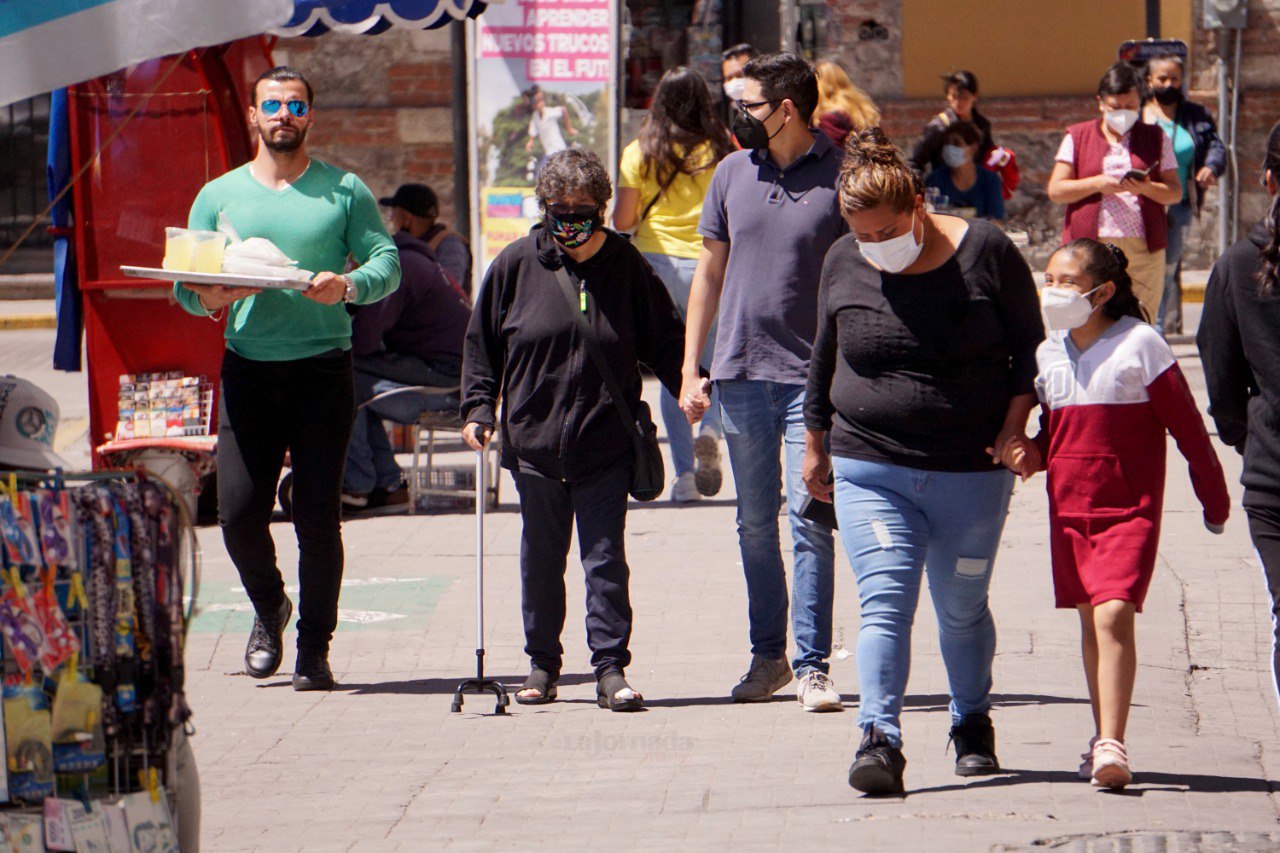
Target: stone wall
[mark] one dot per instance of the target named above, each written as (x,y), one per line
(383,106)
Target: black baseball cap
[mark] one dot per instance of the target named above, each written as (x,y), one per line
(418,199)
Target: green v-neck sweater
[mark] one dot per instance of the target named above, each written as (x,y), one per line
(324,216)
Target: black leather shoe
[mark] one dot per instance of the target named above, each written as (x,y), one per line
(975,740)
(266,643)
(878,766)
(312,671)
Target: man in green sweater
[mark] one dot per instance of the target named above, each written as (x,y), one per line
(286,373)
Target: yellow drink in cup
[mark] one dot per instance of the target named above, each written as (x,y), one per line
(209,249)
(179,249)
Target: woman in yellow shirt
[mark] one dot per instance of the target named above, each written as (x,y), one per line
(663,179)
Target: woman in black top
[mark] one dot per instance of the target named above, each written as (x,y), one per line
(961,90)
(563,439)
(1239,341)
(922,370)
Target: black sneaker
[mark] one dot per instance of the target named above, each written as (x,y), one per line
(975,740)
(312,671)
(266,643)
(878,766)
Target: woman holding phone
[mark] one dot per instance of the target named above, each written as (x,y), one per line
(1116,175)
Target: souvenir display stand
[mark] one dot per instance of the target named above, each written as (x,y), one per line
(99,572)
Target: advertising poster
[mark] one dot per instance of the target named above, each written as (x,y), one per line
(543,77)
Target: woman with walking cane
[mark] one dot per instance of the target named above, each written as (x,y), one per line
(564,314)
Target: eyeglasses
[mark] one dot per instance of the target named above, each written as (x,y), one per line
(566,210)
(298,108)
(744,106)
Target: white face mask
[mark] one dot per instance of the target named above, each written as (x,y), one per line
(1065,309)
(1121,121)
(954,155)
(896,253)
(733,88)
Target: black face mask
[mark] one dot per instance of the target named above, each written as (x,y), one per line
(1167,94)
(750,131)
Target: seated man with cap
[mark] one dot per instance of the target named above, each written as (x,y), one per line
(411,338)
(415,210)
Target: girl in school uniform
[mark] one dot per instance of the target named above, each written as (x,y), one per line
(1109,389)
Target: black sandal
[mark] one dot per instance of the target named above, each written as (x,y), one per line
(541,681)
(608,690)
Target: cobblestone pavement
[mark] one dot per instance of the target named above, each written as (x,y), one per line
(382,764)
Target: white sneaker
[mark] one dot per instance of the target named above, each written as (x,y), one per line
(684,490)
(817,692)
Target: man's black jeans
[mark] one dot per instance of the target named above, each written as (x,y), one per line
(548,509)
(267,407)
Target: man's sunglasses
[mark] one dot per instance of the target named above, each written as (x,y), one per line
(298,108)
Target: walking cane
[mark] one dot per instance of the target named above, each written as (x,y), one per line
(480,684)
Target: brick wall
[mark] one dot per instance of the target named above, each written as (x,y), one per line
(384,109)
(383,106)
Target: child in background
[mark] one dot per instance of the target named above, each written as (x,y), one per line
(1109,388)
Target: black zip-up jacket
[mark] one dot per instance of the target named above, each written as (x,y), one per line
(523,346)
(1210,151)
(928,148)
(1239,342)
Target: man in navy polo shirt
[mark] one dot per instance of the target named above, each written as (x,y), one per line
(769,217)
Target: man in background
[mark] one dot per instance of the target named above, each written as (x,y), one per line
(415,209)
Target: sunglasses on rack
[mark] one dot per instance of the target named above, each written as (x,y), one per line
(298,108)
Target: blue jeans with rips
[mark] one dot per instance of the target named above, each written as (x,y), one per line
(899,524)
(761,419)
(677,275)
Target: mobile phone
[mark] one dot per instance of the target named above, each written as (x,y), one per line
(1137,174)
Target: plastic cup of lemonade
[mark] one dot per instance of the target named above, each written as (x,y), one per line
(209,249)
(179,249)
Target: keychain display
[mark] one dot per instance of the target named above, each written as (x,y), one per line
(93,620)
(28,736)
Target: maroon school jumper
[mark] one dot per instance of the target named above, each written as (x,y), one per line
(1104,413)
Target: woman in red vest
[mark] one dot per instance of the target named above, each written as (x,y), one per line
(1116,175)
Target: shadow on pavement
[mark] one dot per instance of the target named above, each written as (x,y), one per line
(1144,781)
(434,686)
(941,701)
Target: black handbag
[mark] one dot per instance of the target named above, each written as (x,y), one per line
(648,475)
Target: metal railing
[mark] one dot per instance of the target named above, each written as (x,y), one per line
(24,141)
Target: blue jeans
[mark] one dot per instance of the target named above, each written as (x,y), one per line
(371,463)
(758,417)
(897,524)
(677,275)
(1178,218)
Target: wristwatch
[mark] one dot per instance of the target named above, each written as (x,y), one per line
(349,295)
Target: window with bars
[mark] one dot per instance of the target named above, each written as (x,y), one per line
(24,141)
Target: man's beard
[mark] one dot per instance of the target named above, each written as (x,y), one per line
(286,143)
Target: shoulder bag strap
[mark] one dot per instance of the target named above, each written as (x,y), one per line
(666,185)
(593,346)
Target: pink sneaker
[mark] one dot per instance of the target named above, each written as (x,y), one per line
(1110,765)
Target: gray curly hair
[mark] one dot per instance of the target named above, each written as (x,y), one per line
(571,171)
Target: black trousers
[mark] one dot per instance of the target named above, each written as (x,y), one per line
(267,407)
(548,509)
(1264,527)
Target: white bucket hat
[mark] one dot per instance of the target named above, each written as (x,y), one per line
(28,422)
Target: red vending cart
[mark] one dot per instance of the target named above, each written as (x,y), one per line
(188,130)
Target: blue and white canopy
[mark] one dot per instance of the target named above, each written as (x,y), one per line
(369,17)
(48,44)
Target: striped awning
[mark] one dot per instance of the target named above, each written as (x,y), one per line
(369,17)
